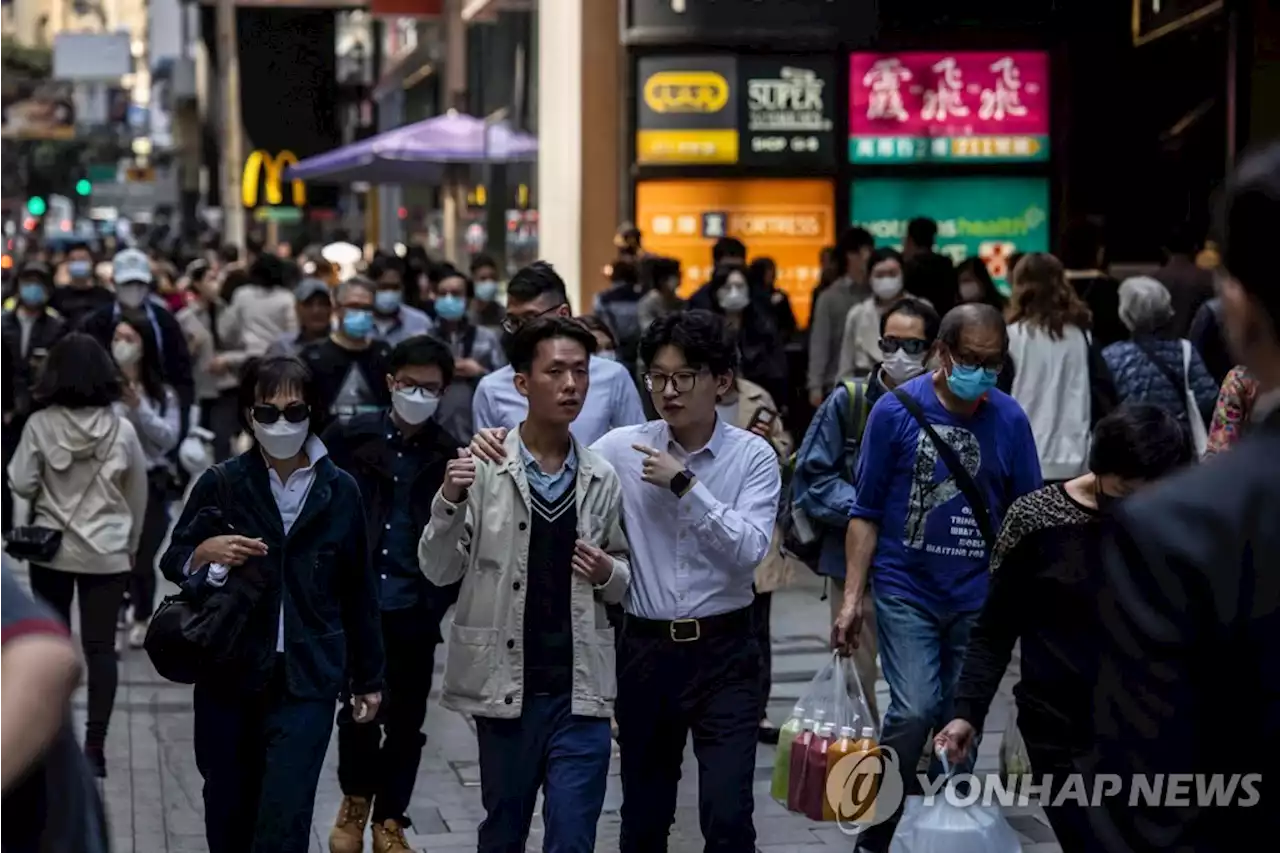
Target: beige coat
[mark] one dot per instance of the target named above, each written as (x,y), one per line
(487,548)
(256,318)
(86,475)
(776,571)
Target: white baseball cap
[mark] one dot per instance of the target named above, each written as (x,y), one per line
(131,265)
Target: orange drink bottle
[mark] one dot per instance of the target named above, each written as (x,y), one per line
(845,745)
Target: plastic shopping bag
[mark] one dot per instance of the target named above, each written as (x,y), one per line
(941,827)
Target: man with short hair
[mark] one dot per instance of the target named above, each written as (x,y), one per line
(537,542)
(485,311)
(927,274)
(84,294)
(611,400)
(313,303)
(1189,286)
(350,365)
(398,460)
(942,457)
(826,326)
(393,320)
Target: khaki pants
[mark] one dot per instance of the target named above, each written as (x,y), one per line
(864,657)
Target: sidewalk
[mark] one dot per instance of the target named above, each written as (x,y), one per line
(154,801)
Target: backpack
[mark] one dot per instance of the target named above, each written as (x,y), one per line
(801,537)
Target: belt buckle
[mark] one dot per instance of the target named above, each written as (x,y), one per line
(697,631)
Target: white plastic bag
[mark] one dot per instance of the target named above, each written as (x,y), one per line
(941,827)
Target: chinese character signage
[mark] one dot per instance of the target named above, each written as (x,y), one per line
(917,106)
(722,110)
(788,111)
(789,220)
(990,218)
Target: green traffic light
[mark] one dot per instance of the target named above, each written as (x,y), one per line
(36,206)
(83,187)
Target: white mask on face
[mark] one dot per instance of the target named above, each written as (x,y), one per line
(281,440)
(131,295)
(414,406)
(733,298)
(886,288)
(126,353)
(900,367)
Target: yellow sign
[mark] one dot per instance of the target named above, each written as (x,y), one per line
(261,161)
(686,92)
(687,146)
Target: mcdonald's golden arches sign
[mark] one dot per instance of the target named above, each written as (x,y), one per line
(268,169)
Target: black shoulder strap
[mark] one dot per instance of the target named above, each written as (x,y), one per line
(964,480)
(1179,383)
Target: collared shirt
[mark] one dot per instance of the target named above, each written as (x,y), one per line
(290,497)
(612,401)
(397,559)
(406,324)
(695,556)
(549,486)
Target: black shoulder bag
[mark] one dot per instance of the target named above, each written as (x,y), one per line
(964,480)
(195,630)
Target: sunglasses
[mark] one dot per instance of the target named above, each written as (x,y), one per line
(294,413)
(911,346)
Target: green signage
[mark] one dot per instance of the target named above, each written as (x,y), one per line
(287,215)
(989,218)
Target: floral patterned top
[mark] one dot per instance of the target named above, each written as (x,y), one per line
(1235,403)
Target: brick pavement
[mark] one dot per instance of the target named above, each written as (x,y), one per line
(153,792)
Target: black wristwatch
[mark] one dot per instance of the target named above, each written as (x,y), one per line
(681,482)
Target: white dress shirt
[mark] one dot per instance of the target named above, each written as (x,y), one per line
(695,556)
(290,497)
(612,401)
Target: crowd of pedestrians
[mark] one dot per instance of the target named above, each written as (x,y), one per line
(606,504)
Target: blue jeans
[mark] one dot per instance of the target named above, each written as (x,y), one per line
(921,654)
(546,747)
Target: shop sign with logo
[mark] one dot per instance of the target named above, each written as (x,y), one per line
(989,218)
(721,110)
(266,170)
(958,106)
(789,220)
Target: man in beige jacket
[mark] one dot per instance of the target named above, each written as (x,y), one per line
(538,545)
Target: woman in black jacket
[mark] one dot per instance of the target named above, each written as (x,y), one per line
(761,346)
(281,527)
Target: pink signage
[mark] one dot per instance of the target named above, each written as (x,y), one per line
(916,105)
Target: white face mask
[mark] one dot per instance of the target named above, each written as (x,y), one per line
(281,440)
(900,367)
(126,353)
(132,295)
(414,406)
(886,288)
(733,298)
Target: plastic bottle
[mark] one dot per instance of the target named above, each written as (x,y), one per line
(866,743)
(846,744)
(782,758)
(814,792)
(795,760)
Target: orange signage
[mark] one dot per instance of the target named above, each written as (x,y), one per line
(789,220)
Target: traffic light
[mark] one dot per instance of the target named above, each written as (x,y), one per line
(83,187)
(36,206)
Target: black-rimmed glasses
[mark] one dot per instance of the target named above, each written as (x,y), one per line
(294,413)
(511,325)
(683,381)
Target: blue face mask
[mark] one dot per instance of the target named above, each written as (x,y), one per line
(79,269)
(450,307)
(969,382)
(387,301)
(357,324)
(32,294)
(486,289)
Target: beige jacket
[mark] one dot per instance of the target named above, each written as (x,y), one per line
(487,548)
(776,571)
(86,475)
(256,318)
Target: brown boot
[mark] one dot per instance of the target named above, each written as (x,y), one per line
(347,835)
(388,837)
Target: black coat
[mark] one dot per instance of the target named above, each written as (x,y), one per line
(1190,616)
(18,372)
(332,627)
(359,447)
(175,356)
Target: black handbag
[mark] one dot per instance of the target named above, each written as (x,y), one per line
(37,544)
(198,629)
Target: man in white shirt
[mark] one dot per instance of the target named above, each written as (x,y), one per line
(612,400)
(699,501)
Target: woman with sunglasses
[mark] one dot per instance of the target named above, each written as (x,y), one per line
(283,518)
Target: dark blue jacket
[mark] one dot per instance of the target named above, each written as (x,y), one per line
(1140,380)
(332,629)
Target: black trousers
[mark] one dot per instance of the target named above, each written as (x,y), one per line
(9,439)
(155,524)
(1070,819)
(761,607)
(99,603)
(379,760)
(219,415)
(666,690)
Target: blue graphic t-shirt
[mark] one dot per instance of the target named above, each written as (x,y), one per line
(930,549)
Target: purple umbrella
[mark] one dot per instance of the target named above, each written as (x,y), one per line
(418,152)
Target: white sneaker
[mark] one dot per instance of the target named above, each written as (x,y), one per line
(138,635)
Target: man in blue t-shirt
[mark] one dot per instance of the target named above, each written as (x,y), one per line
(920,538)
